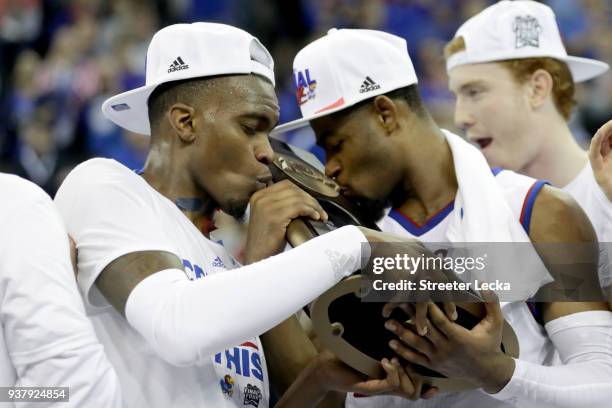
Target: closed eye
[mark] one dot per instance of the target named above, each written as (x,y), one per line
(336,147)
(248,130)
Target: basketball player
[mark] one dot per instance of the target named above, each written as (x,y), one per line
(514,84)
(178,316)
(45,338)
(357,89)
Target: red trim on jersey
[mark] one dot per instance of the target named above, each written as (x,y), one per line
(525,202)
(428,219)
(249,344)
(529,202)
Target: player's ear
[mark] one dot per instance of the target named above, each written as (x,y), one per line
(386,111)
(181,118)
(539,88)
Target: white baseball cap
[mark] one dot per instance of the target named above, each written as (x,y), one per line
(514,30)
(345,67)
(183,51)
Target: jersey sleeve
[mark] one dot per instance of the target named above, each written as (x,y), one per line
(109,212)
(521,192)
(49,339)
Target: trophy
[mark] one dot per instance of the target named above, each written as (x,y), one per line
(346,325)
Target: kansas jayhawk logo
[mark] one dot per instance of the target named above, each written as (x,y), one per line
(227,385)
(527,31)
(305,86)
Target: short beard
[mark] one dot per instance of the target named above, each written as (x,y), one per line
(374,209)
(236,208)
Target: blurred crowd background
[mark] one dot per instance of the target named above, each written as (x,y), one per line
(59,60)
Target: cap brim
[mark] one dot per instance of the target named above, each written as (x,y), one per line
(583,69)
(300,123)
(129,109)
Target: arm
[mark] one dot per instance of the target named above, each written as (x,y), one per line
(584,379)
(326,373)
(50,340)
(288,352)
(162,303)
(579,330)
(560,230)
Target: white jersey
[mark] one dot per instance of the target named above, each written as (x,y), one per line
(588,194)
(111,211)
(535,346)
(46,339)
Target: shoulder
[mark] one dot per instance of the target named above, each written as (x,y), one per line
(508,179)
(589,194)
(520,192)
(557,217)
(19,194)
(97,171)
(15,188)
(99,180)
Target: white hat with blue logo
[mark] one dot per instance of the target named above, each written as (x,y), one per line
(514,30)
(345,67)
(184,51)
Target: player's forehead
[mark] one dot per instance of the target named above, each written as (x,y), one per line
(475,74)
(250,94)
(343,123)
(251,88)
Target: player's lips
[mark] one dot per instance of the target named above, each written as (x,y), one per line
(264,180)
(347,192)
(483,142)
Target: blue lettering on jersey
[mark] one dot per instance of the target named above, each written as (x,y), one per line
(196,269)
(218,263)
(243,361)
(233,359)
(257,372)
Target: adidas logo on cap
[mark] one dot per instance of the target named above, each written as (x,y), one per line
(368,85)
(177,65)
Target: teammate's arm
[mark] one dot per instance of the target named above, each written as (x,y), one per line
(288,351)
(50,340)
(121,276)
(560,228)
(176,315)
(326,373)
(580,331)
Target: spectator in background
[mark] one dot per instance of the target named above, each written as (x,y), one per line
(37,158)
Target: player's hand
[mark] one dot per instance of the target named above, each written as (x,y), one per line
(272,209)
(600,155)
(457,352)
(334,375)
(418,313)
(387,245)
